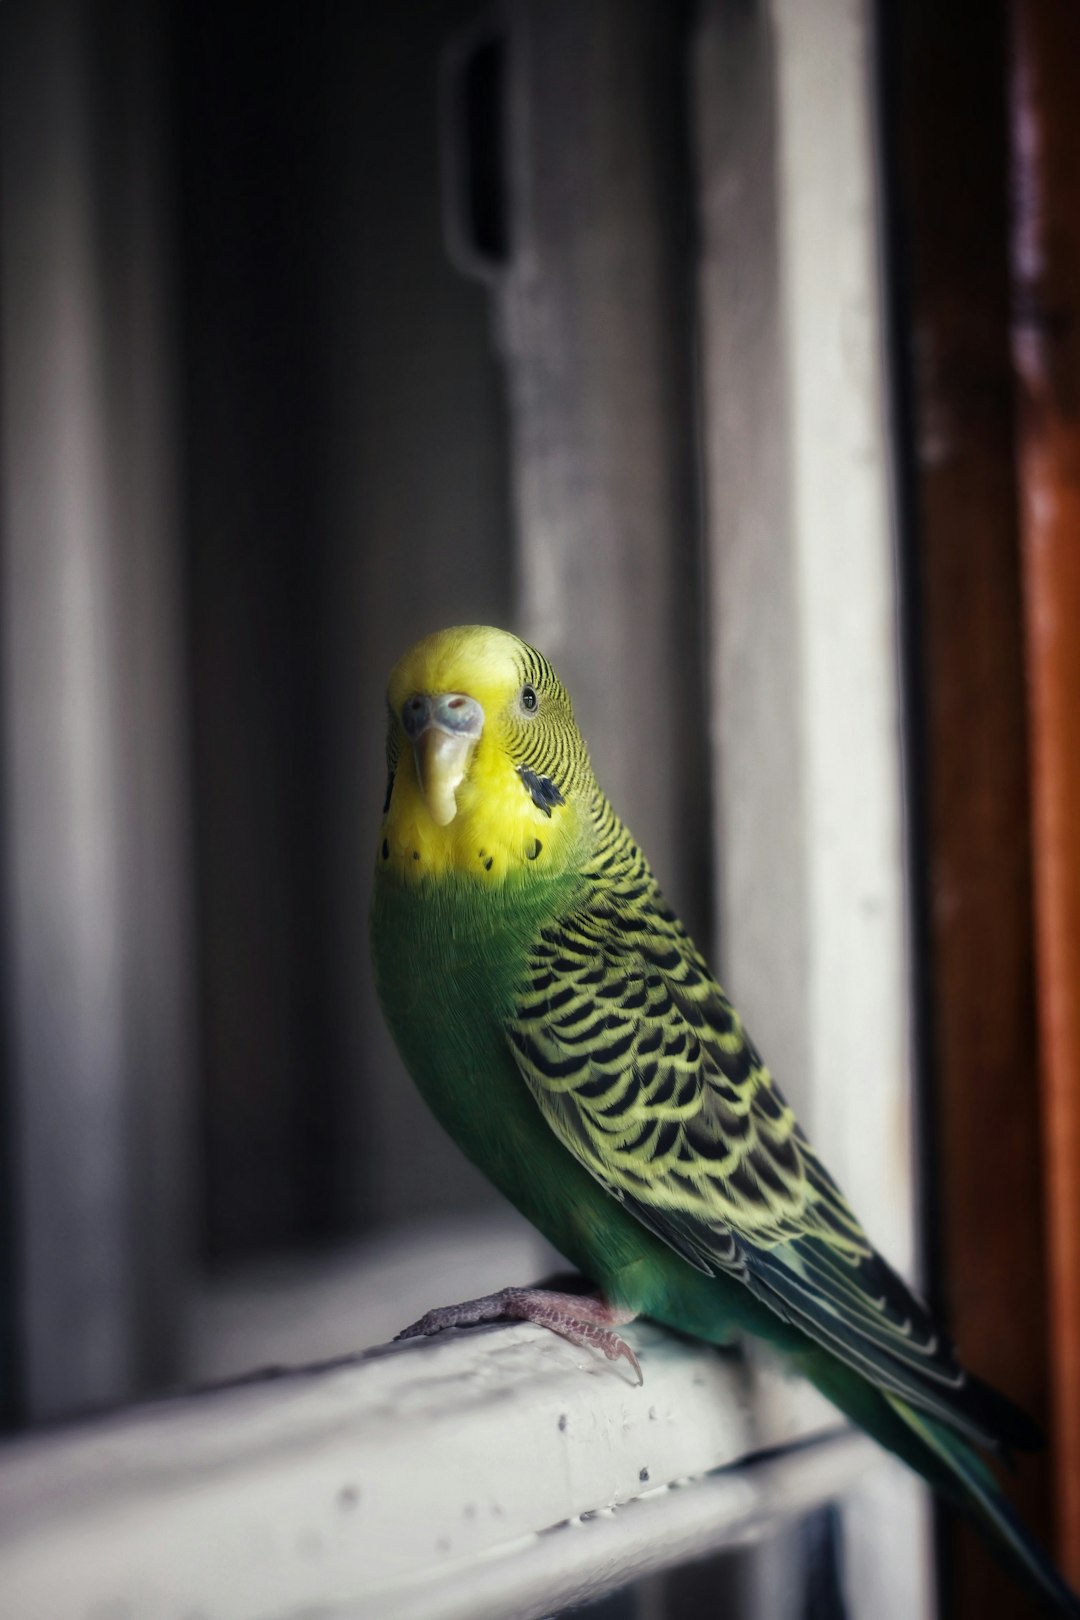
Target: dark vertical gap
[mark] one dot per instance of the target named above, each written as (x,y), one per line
(822,1536)
(897,305)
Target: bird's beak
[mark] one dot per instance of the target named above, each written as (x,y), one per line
(443,731)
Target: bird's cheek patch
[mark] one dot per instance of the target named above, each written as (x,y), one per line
(541,790)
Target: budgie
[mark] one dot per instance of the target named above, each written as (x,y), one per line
(570,1037)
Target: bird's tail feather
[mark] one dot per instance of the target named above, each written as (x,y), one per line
(976,1487)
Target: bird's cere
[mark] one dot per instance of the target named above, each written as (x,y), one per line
(443,731)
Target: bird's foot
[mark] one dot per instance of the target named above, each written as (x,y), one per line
(584,1319)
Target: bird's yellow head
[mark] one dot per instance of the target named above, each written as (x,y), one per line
(486,767)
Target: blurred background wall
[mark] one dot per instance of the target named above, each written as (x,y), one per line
(728,350)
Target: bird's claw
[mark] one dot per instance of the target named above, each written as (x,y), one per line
(583,1320)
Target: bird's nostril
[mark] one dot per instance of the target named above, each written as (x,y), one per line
(453,712)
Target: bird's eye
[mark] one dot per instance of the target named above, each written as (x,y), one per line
(529,699)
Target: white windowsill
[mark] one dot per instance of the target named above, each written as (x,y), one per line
(486,1473)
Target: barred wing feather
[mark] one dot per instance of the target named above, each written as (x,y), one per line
(642,1068)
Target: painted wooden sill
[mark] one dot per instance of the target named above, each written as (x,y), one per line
(491,1473)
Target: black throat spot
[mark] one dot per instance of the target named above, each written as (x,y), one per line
(541,790)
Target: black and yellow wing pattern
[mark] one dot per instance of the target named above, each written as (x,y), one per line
(642,1068)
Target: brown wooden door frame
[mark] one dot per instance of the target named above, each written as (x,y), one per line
(1044,123)
(947,142)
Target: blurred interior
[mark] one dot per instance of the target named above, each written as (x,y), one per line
(323,327)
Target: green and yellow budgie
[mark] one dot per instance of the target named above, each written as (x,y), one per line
(568,1034)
